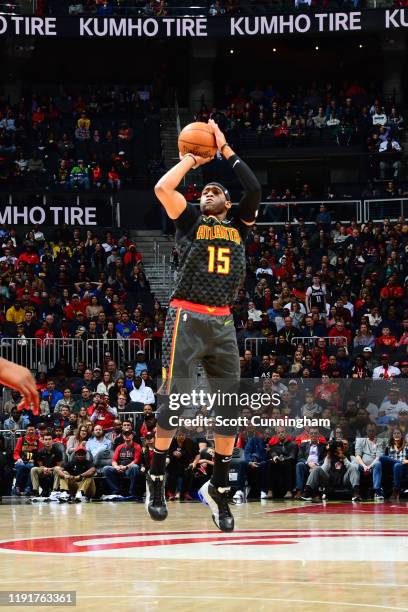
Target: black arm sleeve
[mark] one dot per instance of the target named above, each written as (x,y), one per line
(249,203)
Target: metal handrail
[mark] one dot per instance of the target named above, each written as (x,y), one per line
(368,203)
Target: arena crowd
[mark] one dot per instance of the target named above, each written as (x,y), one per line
(101,138)
(322,318)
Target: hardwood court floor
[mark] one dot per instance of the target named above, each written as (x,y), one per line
(287,556)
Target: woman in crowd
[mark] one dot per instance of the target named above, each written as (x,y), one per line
(114,391)
(78,439)
(106,384)
(297,365)
(359,368)
(396,456)
(363,338)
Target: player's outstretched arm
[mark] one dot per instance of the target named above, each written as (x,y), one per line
(166,189)
(19,378)
(249,203)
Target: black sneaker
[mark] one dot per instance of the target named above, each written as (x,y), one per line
(155,501)
(217,500)
(356,495)
(308,494)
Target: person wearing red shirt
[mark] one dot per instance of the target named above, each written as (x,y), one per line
(29,256)
(73,307)
(104,416)
(132,256)
(125,462)
(44,335)
(386,340)
(327,391)
(340,330)
(113,178)
(38,117)
(391,291)
(24,456)
(282,131)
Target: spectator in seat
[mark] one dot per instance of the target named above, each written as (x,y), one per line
(141,393)
(390,153)
(127,426)
(125,462)
(84,402)
(35,165)
(80,438)
(15,314)
(113,178)
(104,415)
(385,371)
(25,455)
(6,468)
(257,464)
(368,451)
(396,455)
(15,421)
(316,296)
(76,477)
(115,432)
(336,471)
(363,338)
(125,327)
(359,368)
(106,384)
(66,400)
(99,447)
(182,452)
(79,176)
(310,409)
(310,456)
(386,340)
(283,454)
(140,364)
(49,457)
(132,257)
(392,405)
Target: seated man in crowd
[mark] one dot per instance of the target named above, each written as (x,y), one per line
(25,455)
(311,455)
(6,467)
(99,447)
(49,457)
(125,462)
(182,452)
(336,471)
(127,427)
(255,454)
(283,454)
(76,477)
(368,451)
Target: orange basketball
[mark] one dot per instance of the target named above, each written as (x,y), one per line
(198,139)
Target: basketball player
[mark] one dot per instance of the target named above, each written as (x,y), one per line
(19,378)
(199,325)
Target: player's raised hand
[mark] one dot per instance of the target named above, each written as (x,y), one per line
(20,378)
(219,136)
(200,161)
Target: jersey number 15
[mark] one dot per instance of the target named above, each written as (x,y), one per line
(219,259)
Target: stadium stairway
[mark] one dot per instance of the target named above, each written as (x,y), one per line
(169,135)
(156,252)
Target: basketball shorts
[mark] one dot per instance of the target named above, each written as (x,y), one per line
(197,333)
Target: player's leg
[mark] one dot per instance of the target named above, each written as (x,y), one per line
(222,368)
(182,342)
